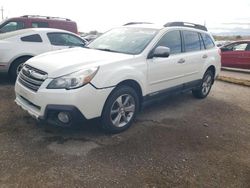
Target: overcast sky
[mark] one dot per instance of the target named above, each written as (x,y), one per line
(101,15)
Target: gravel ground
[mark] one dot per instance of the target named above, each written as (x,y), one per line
(178,142)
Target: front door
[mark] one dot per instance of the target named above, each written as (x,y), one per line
(165,72)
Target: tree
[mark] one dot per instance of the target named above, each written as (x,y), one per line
(238,37)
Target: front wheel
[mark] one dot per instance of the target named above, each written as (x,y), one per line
(16,67)
(203,90)
(120,109)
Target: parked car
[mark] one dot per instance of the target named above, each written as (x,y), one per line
(18,46)
(220,43)
(236,55)
(90,38)
(117,73)
(35,21)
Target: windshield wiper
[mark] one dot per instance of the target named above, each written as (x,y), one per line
(107,50)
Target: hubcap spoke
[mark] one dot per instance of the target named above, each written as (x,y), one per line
(119,101)
(117,120)
(126,100)
(130,108)
(208,79)
(125,118)
(114,111)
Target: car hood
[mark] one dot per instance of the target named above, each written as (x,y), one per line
(63,62)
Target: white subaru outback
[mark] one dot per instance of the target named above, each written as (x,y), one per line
(118,72)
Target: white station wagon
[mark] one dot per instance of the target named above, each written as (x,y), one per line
(18,46)
(118,72)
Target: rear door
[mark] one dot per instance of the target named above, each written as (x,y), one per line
(65,40)
(195,55)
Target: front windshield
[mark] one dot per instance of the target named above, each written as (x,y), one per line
(124,40)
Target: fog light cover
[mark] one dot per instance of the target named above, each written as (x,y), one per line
(64,117)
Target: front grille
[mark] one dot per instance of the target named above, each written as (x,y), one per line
(31,77)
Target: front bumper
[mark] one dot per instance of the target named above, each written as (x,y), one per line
(87,100)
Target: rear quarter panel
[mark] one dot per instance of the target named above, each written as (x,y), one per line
(214,59)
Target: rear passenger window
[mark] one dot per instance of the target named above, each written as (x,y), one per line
(40,24)
(171,40)
(32,38)
(191,41)
(207,41)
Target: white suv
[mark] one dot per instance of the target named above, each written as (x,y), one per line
(117,73)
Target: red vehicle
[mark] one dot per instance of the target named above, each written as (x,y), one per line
(236,55)
(33,21)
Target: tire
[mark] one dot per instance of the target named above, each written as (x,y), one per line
(203,90)
(120,109)
(16,67)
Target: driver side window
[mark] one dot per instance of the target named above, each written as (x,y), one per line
(240,47)
(12,26)
(171,40)
(237,47)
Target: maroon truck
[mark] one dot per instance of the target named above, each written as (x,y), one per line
(34,21)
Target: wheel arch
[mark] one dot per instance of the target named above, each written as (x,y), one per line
(18,58)
(131,83)
(212,69)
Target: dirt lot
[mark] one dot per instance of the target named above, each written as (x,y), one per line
(178,142)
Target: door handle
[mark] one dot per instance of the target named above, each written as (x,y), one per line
(204,56)
(181,61)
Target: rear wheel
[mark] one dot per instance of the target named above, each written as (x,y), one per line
(16,66)
(120,109)
(203,90)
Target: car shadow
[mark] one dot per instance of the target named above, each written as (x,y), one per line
(93,127)
(5,79)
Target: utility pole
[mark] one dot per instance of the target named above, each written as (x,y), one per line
(2,11)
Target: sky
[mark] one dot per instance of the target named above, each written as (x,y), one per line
(220,16)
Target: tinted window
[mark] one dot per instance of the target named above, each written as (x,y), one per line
(64,39)
(191,41)
(12,26)
(207,41)
(171,40)
(32,38)
(40,24)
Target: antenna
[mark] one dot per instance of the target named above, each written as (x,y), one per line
(2,11)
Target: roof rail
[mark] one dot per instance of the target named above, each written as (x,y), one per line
(186,24)
(133,23)
(45,17)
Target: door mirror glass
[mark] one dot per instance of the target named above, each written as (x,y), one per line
(161,51)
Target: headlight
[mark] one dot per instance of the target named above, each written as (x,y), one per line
(73,80)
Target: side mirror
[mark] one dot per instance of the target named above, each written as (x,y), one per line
(161,51)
